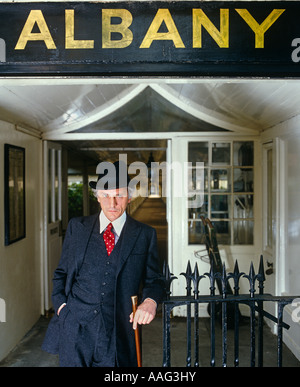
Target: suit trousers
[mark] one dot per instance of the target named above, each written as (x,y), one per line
(78,347)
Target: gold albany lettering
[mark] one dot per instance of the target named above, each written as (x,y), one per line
(163,16)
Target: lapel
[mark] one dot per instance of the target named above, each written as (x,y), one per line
(85,228)
(130,233)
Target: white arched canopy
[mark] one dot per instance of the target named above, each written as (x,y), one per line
(67,106)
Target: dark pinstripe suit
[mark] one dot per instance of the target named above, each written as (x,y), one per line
(136,267)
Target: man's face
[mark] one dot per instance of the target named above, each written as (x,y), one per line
(113,202)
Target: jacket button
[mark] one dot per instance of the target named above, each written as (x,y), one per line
(95,311)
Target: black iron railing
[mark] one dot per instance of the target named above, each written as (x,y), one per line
(226,305)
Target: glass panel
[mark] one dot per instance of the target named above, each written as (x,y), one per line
(196,232)
(221,153)
(220,206)
(75,196)
(202,210)
(243,206)
(243,180)
(196,182)
(243,153)
(220,180)
(223,232)
(243,232)
(56,185)
(198,151)
(228,187)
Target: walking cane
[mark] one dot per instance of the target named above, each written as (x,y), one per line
(134,300)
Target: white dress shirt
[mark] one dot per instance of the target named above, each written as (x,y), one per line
(118,224)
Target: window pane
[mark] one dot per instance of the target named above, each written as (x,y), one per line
(75,196)
(220,153)
(220,180)
(243,153)
(198,151)
(223,232)
(220,206)
(199,180)
(243,180)
(243,232)
(243,206)
(228,188)
(196,213)
(56,186)
(196,232)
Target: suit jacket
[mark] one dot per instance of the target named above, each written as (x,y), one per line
(137,269)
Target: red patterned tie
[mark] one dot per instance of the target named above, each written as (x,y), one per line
(109,239)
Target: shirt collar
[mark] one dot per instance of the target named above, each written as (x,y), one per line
(117,224)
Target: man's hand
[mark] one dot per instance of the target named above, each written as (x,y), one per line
(145,313)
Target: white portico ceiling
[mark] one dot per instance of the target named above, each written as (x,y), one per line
(249,107)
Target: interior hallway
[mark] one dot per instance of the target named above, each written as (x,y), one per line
(29,354)
(153,213)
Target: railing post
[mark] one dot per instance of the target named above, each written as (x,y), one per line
(166,336)
(167,278)
(252,277)
(224,317)
(212,305)
(196,280)
(280,306)
(236,275)
(188,278)
(261,279)
(252,333)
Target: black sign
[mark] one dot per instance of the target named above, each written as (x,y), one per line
(151,38)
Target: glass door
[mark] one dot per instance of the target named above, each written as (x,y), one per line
(213,177)
(228,191)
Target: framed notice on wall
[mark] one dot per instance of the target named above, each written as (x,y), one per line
(14,193)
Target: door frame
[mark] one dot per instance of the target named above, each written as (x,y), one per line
(51,227)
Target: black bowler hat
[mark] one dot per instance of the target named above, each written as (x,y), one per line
(111,176)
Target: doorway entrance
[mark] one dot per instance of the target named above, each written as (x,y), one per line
(148,204)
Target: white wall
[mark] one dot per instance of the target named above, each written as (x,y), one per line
(292,337)
(288,215)
(293,212)
(20,262)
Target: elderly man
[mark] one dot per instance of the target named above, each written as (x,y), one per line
(106,259)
